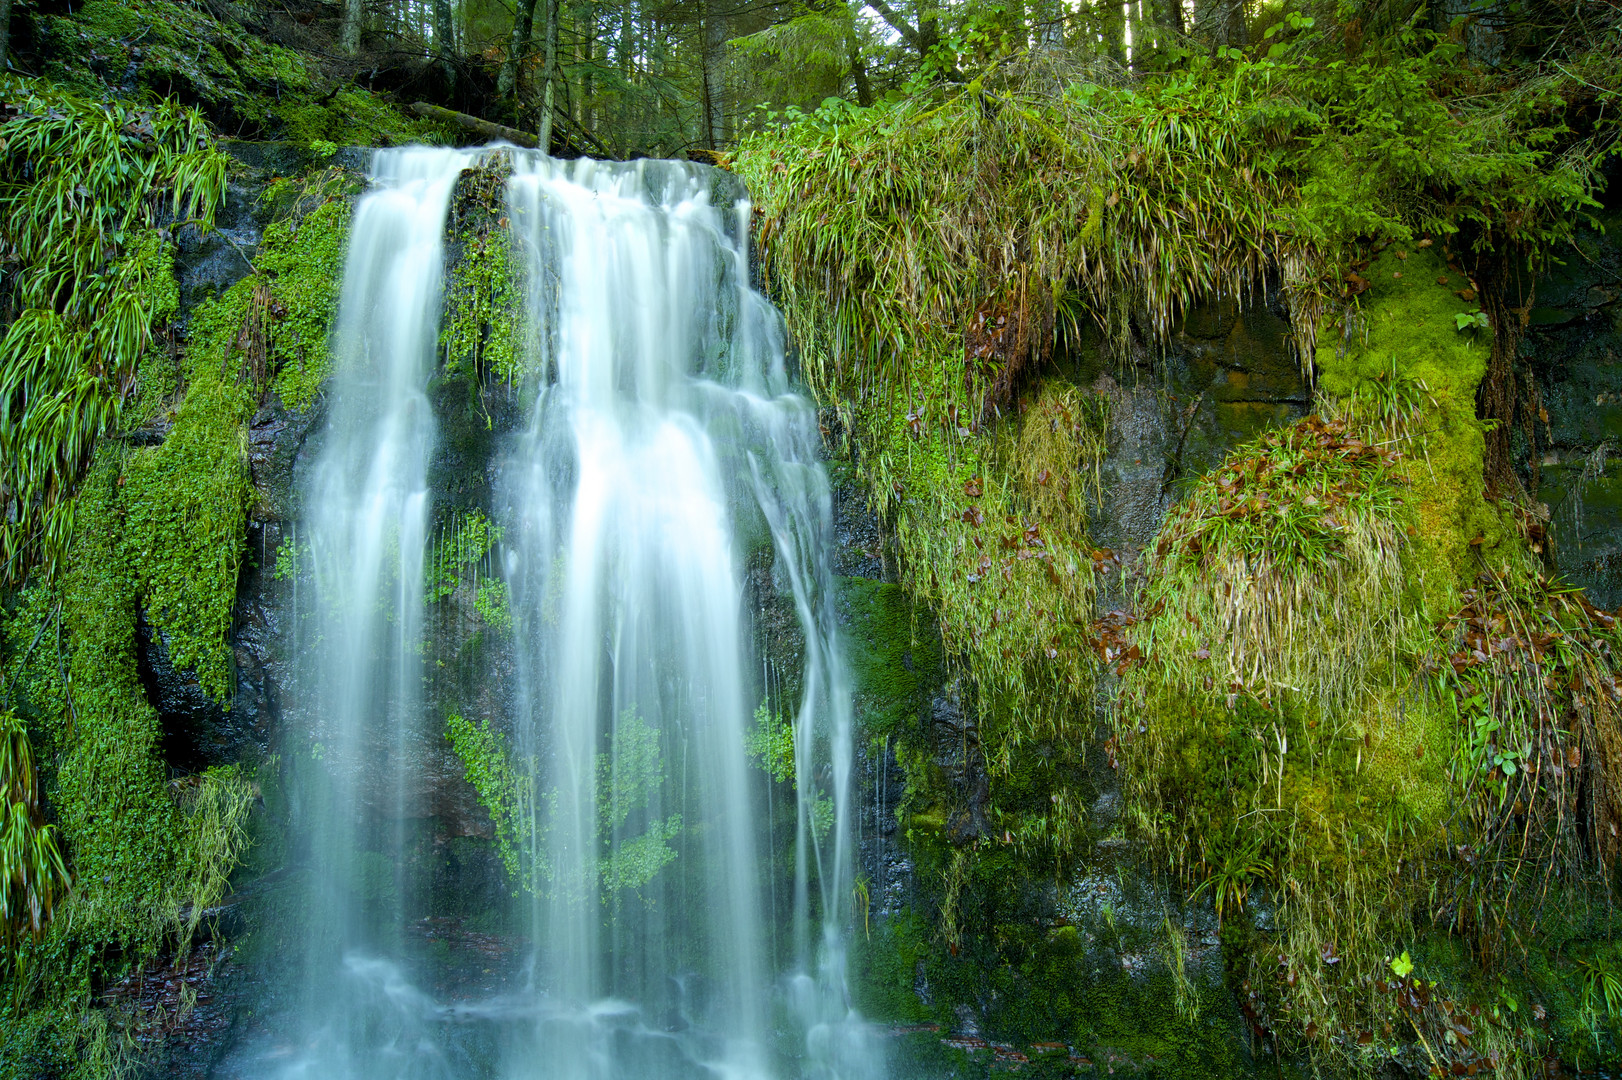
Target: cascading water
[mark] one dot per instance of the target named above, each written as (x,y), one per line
(368,514)
(663,428)
(664,444)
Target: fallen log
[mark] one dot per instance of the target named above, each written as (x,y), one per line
(472,123)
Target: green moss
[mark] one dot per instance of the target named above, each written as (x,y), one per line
(183,50)
(186,504)
(894,652)
(304,255)
(1402,348)
(110,790)
(1333,694)
(1033,981)
(884,968)
(186,500)
(483,322)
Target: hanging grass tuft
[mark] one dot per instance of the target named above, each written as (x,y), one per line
(33,878)
(89,194)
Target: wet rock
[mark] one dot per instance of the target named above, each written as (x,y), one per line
(197,730)
(256,640)
(1573,348)
(1229,374)
(863,547)
(210,263)
(276,435)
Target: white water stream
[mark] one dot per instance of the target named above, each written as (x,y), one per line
(664,445)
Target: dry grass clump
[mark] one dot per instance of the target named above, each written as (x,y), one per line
(1281,569)
(1296,728)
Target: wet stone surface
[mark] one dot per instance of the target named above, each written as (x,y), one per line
(1573,346)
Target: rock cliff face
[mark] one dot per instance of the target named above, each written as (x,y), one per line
(1573,347)
(1096,963)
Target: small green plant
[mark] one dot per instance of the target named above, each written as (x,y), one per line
(1187,994)
(33,876)
(460,547)
(289,557)
(1602,993)
(504,791)
(629,779)
(1471,321)
(494,605)
(1230,883)
(770,744)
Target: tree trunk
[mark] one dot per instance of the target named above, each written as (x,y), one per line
(1047,18)
(549,74)
(627,38)
(1220,22)
(1112,24)
(714,85)
(349,30)
(1169,13)
(586,24)
(517,49)
(858,69)
(929,27)
(482,128)
(445,42)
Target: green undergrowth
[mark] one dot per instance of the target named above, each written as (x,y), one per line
(992,532)
(1347,691)
(1285,722)
(934,252)
(85,187)
(186,500)
(149,852)
(157,534)
(249,85)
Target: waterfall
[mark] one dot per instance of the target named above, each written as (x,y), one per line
(665,448)
(367,504)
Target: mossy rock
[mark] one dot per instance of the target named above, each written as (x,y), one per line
(1404,335)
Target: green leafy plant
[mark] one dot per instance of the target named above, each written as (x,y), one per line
(1230,883)
(504,791)
(33,877)
(84,189)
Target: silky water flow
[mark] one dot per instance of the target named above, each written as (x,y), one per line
(664,445)
(367,506)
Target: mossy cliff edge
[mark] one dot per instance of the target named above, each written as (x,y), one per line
(148,564)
